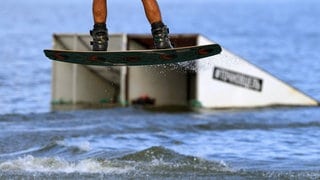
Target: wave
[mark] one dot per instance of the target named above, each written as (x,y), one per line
(157,160)
(58,165)
(154,163)
(253,126)
(31,167)
(56,147)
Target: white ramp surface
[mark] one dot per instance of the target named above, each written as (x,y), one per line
(228,81)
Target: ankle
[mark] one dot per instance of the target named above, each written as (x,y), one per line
(157,25)
(100,26)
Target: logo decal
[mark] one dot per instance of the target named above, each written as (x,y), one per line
(238,79)
(204,51)
(132,59)
(60,57)
(167,57)
(96,58)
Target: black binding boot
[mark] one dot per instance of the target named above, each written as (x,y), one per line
(99,37)
(160,36)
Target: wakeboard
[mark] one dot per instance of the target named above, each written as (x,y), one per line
(134,57)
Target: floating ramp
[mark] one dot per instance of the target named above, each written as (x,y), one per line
(221,81)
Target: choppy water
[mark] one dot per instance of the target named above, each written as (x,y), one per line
(134,143)
(280,36)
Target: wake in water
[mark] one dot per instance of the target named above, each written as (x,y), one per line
(155,160)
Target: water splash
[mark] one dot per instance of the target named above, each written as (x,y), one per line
(58,165)
(155,159)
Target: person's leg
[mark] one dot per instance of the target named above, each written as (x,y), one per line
(159,30)
(99,32)
(152,11)
(99,10)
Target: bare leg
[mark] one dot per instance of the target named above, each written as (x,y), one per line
(152,11)
(99,10)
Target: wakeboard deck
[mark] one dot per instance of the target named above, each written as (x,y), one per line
(134,57)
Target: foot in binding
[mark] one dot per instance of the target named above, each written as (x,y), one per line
(160,37)
(99,39)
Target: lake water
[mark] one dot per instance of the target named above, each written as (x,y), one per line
(281,37)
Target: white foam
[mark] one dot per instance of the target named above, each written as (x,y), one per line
(58,165)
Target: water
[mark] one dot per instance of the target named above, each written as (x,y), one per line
(129,142)
(35,143)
